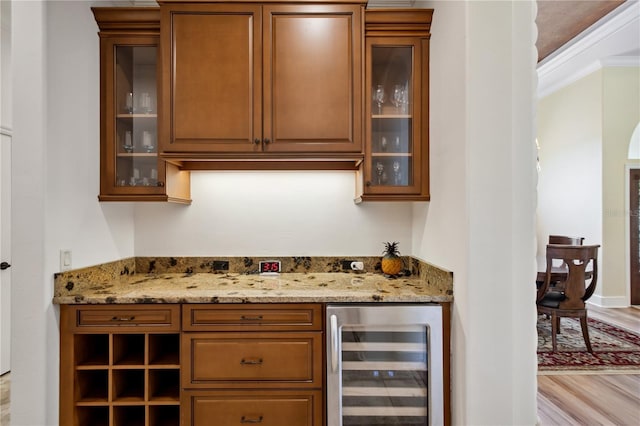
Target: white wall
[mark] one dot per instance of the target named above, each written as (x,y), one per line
(570,178)
(480,219)
(621,113)
(480,222)
(55,187)
(271,213)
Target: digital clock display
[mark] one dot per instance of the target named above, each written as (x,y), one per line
(269,266)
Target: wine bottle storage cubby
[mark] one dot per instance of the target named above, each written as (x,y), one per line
(94,416)
(129,415)
(128,349)
(126,378)
(164,385)
(163,349)
(164,415)
(92,386)
(91,349)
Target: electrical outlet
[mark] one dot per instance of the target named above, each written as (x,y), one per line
(220,265)
(65,260)
(352,265)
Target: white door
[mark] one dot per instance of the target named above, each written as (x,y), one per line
(5,252)
(5,186)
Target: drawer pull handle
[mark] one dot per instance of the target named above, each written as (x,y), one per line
(251,361)
(123,319)
(251,318)
(251,420)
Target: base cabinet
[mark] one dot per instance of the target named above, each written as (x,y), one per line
(199,364)
(120,366)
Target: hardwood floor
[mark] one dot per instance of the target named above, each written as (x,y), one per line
(5,383)
(593,399)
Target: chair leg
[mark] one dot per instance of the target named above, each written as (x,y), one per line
(554,329)
(585,333)
(558,325)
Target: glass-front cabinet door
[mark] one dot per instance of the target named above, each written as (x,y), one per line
(396,162)
(135,110)
(130,168)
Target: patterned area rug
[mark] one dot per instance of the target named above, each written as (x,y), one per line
(614,349)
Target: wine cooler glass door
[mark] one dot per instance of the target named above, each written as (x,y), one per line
(385,365)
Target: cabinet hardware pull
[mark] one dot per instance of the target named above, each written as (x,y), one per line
(251,361)
(368,183)
(4,265)
(335,355)
(256,141)
(250,318)
(267,140)
(123,319)
(250,420)
(160,184)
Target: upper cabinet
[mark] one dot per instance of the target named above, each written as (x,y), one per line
(130,169)
(396,163)
(261,81)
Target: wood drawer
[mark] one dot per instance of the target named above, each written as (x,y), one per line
(263,360)
(272,408)
(261,317)
(138,317)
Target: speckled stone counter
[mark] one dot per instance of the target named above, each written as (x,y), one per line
(195,280)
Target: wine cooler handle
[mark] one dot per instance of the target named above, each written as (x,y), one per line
(334,344)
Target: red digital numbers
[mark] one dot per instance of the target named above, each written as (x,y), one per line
(271,266)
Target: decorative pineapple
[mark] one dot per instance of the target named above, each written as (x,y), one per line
(391,261)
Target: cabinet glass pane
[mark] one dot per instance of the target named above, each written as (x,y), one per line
(391,118)
(136,116)
(384,375)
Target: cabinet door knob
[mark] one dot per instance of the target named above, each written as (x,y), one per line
(245,419)
(267,140)
(256,141)
(4,265)
(160,184)
(368,183)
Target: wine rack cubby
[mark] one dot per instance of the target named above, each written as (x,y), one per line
(123,374)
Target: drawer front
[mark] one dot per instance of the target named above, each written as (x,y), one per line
(140,318)
(274,408)
(252,360)
(262,317)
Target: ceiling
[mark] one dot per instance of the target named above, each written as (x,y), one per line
(561,20)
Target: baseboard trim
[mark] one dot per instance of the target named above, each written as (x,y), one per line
(609,302)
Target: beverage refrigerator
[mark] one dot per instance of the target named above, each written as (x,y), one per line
(384,365)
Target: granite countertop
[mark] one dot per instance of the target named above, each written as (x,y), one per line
(193,280)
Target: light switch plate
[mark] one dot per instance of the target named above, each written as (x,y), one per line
(65,260)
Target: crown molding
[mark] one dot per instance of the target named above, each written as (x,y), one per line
(608,42)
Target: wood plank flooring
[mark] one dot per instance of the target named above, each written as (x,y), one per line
(5,384)
(593,399)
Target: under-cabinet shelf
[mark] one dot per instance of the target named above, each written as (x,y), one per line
(391,154)
(389,116)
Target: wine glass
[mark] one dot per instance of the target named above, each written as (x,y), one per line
(405,100)
(398,93)
(129,102)
(379,97)
(397,177)
(379,171)
(383,144)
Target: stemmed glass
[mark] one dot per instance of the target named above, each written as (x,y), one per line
(398,94)
(380,172)
(397,177)
(379,97)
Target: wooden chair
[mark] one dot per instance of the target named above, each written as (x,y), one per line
(568,299)
(564,240)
